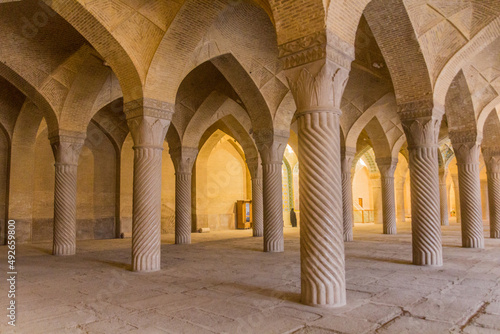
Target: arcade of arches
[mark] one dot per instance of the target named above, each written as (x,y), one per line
(146,121)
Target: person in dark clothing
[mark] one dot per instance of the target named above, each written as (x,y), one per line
(293,218)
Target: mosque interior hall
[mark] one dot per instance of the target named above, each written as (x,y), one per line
(250,166)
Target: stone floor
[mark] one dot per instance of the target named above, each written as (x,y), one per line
(223,283)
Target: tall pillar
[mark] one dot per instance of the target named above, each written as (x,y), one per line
(347,157)
(443,196)
(493,174)
(271,148)
(255,168)
(458,215)
(317,89)
(66,149)
(183,159)
(421,123)
(485,200)
(376,185)
(148,121)
(387,167)
(400,200)
(467,153)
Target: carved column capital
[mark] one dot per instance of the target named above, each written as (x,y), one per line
(492,160)
(67,147)
(183,159)
(318,87)
(271,146)
(254,167)
(148,121)
(347,155)
(421,122)
(387,166)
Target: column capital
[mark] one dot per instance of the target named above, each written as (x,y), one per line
(271,145)
(387,166)
(466,145)
(492,163)
(183,159)
(67,147)
(254,167)
(318,87)
(421,122)
(347,155)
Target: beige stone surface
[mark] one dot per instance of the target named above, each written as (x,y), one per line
(223,283)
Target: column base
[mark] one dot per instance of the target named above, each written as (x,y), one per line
(435,260)
(258,234)
(348,237)
(472,243)
(146,267)
(495,234)
(63,251)
(277,247)
(183,240)
(390,230)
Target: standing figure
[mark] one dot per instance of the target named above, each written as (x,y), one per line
(293,218)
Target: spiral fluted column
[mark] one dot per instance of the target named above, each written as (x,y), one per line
(458,215)
(346,165)
(443,196)
(148,121)
(400,203)
(182,208)
(317,97)
(421,125)
(467,153)
(493,174)
(387,168)
(183,159)
(257,207)
(273,207)
(66,152)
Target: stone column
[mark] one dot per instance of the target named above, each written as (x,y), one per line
(458,215)
(387,167)
(376,182)
(317,90)
(421,123)
(271,148)
(493,174)
(347,157)
(467,152)
(66,149)
(485,200)
(443,196)
(400,200)
(255,168)
(148,121)
(183,159)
